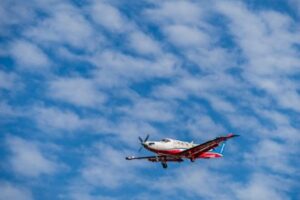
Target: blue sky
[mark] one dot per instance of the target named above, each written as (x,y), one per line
(81,80)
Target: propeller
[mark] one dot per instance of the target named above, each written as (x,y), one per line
(143,141)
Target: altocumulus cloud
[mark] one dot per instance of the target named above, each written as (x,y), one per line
(29,56)
(9,191)
(27,159)
(78,91)
(80,81)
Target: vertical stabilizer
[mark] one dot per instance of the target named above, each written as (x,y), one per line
(220,148)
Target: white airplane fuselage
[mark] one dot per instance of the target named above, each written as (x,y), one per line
(172,147)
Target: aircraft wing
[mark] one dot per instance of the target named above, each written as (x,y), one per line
(138,158)
(158,158)
(204,147)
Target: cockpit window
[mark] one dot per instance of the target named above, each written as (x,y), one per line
(165,140)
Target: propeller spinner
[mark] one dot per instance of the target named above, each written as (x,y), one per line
(143,141)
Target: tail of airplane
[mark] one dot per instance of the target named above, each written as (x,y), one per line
(220,148)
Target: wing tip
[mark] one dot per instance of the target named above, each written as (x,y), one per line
(129,157)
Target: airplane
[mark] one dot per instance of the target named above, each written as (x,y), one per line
(170,150)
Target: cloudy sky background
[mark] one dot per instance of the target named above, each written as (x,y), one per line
(81,80)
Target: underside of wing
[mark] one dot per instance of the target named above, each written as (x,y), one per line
(194,152)
(158,158)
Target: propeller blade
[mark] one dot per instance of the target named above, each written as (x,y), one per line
(140,139)
(140,149)
(146,138)
(143,142)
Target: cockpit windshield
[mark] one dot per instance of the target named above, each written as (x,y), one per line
(165,140)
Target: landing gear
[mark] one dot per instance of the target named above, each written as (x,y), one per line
(164,165)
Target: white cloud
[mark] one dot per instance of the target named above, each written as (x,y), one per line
(169,91)
(203,127)
(186,85)
(77,91)
(65,25)
(143,43)
(194,183)
(152,110)
(211,59)
(267,41)
(295,5)
(53,120)
(244,122)
(128,130)
(104,168)
(13,192)
(58,122)
(290,100)
(8,81)
(185,25)
(116,69)
(280,88)
(14,13)
(202,86)
(79,194)
(220,104)
(109,17)
(29,56)
(176,12)
(186,36)
(208,184)
(264,187)
(7,110)
(272,156)
(125,129)
(263,36)
(27,159)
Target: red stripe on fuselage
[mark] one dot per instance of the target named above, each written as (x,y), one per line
(210,155)
(169,152)
(166,152)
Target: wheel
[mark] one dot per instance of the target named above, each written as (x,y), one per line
(164,165)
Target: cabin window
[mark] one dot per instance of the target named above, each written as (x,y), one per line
(165,140)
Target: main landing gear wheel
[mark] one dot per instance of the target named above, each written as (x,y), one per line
(164,165)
